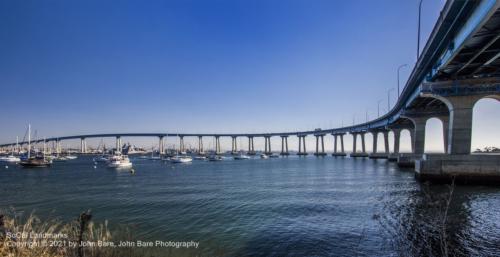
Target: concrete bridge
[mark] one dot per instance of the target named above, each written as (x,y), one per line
(458,66)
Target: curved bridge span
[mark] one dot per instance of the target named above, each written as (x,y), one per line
(459,65)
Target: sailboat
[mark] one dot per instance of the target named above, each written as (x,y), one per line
(34,161)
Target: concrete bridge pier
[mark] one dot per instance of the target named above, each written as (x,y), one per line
(397,138)
(267,145)
(83,146)
(458,162)
(335,144)
(355,153)
(161,145)
(58,147)
(217,145)
(302,145)
(200,145)
(118,145)
(318,152)
(181,145)
(375,154)
(417,135)
(234,145)
(251,149)
(284,145)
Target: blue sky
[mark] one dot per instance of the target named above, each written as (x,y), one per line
(71,67)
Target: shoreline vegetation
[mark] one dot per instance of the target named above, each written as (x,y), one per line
(30,236)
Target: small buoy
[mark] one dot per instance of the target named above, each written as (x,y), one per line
(6,166)
(95,167)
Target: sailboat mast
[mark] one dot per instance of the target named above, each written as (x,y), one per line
(44,148)
(17,144)
(29,141)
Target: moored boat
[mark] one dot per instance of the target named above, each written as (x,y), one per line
(10,158)
(119,161)
(215,158)
(241,156)
(36,161)
(181,159)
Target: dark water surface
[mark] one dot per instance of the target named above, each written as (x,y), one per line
(286,206)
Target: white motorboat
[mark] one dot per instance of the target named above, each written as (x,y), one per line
(119,161)
(200,158)
(241,156)
(10,158)
(71,157)
(181,159)
(264,156)
(274,155)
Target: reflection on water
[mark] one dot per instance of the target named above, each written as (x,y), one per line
(286,206)
(439,220)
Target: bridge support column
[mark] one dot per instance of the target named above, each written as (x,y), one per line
(161,147)
(320,137)
(181,145)
(118,145)
(58,147)
(302,145)
(419,135)
(284,145)
(335,144)
(446,126)
(217,145)
(397,138)
(460,123)
(375,141)
(251,149)
(378,155)
(267,142)
(83,146)
(386,142)
(200,145)
(234,145)
(363,145)
(354,143)
(355,153)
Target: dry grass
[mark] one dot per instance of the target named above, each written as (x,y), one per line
(14,223)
